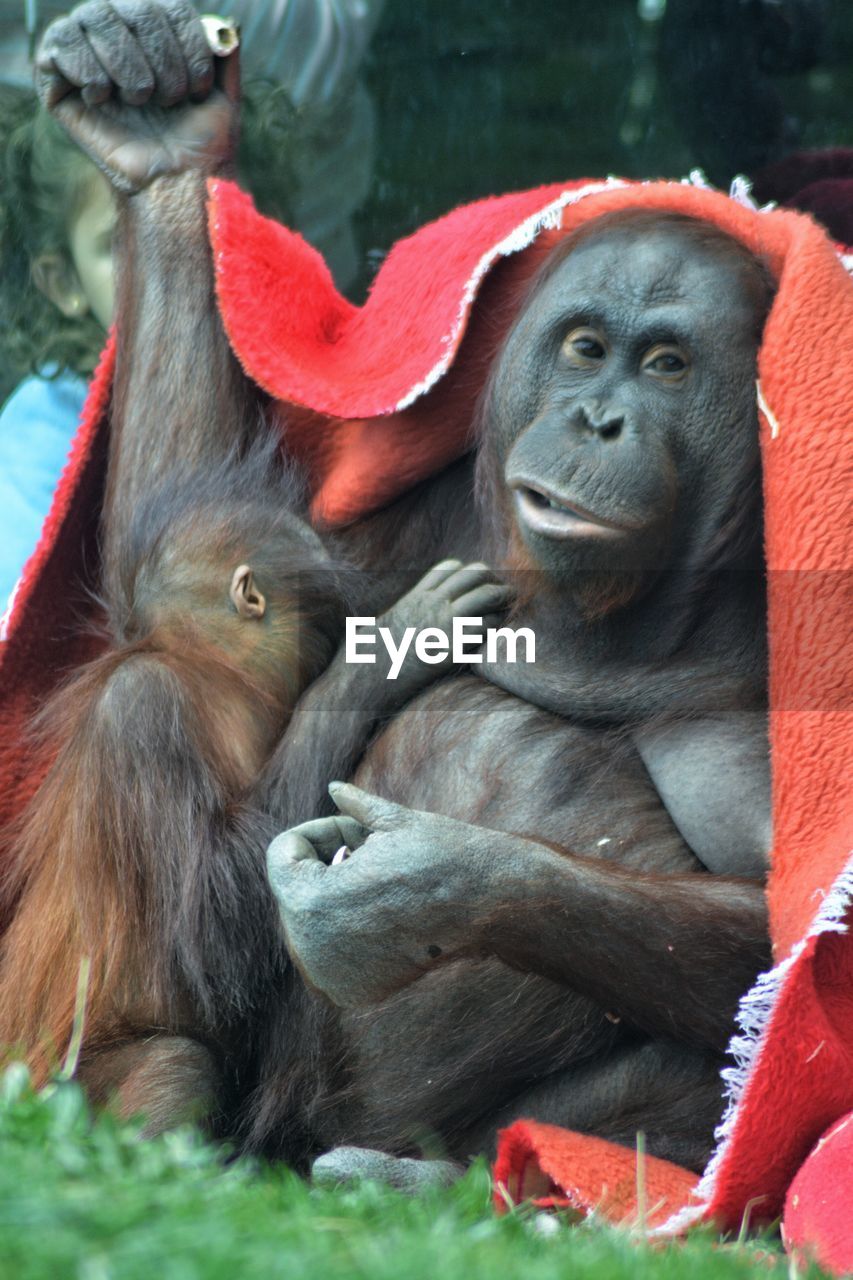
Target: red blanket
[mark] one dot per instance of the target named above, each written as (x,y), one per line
(380,396)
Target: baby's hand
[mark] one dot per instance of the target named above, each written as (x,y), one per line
(449,590)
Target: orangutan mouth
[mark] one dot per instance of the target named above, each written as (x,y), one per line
(545,513)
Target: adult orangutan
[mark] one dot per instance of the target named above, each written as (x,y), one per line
(549,886)
(537,849)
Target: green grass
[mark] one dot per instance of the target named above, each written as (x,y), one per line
(84,1198)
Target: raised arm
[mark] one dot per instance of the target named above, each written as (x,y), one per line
(138,88)
(138,847)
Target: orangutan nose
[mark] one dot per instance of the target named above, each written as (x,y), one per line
(604,422)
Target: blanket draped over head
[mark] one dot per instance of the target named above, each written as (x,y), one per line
(376,398)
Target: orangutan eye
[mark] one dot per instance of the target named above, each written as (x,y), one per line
(584,347)
(665,361)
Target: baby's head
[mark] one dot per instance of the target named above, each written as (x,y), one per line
(57,217)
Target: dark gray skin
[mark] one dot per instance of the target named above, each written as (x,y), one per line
(671,486)
(618,423)
(606,973)
(620,429)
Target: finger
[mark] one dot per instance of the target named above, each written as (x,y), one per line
(373,812)
(66,51)
(353,833)
(159,45)
(291,861)
(185,24)
(328,834)
(492,621)
(51,85)
(485,599)
(93,133)
(324,836)
(118,52)
(292,846)
(435,576)
(465,579)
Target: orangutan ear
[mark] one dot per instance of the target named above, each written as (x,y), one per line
(245,597)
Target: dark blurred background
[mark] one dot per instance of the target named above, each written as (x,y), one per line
(472,97)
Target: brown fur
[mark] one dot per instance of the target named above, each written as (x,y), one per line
(141,850)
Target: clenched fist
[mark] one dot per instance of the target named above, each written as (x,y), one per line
(136,85)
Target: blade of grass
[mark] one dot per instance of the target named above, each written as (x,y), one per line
(72,1057)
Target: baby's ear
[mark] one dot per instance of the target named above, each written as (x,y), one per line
(245,597)
(54,275)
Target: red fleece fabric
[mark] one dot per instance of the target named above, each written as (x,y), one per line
(359,367)
(531,1165)
(373,399)
(44,631)
(813,1225)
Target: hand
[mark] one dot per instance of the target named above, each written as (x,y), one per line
(135,84)
(448,590)
(414,892)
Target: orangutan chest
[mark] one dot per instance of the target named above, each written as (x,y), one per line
(473,752)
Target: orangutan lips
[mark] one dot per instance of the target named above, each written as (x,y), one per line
(543,512)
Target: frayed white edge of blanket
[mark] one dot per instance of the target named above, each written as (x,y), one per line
(521,237)
(753,1020)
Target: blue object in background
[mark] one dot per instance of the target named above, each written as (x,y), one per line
(37,425)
